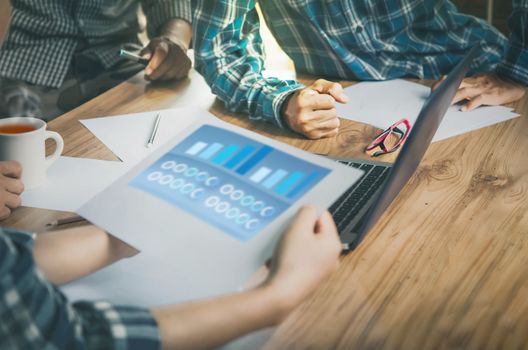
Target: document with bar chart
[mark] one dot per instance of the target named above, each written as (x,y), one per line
(210,204)
(232,182)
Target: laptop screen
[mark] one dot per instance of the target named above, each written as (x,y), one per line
(422,133)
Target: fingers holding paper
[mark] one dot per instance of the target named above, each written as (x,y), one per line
(311,111)
(485,89)
(10,187)
(307,253)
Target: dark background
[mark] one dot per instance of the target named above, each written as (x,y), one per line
(501,11)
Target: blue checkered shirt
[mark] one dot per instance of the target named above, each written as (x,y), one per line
(35,315)
(45,34)
(515,62)
(337,39)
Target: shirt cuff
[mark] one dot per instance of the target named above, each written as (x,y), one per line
(106,326)
(514,65)
(273,104)
(20,237)
(159,13)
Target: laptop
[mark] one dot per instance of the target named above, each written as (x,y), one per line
(358,209)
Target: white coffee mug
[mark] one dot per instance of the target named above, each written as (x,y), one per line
(28,148)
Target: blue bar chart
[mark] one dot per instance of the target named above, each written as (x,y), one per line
(196,148)
(288,183)
(210,150)
(251,162)
(234,183)
(274,178)
(245,158)
(240,156)
(259,175)
(226,153)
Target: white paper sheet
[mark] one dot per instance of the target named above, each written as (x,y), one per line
(193,91)
(127,135)
(382,103)
(208,258)
(72,182)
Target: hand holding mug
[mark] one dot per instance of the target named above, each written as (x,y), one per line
(10,187)
(24,140)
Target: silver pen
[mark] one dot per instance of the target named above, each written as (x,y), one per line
(150,141)
(133,57)
(65,221)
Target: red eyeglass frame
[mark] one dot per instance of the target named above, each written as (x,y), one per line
(379,140)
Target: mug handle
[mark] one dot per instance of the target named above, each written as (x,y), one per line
(59,147)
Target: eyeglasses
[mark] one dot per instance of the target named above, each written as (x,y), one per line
(390,139)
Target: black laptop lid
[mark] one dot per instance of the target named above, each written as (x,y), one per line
(420,137)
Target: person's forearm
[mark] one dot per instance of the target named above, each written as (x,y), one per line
(231,64)
(210,323)
(67,255)
(178,31)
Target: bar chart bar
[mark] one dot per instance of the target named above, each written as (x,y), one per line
(211,150)
(274,178)
(225,154)
(260,174)
(289,182)
(251,162)
(308,181)
(196,148)
(240,156)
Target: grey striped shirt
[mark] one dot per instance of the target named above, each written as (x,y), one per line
(45,34)
(35,315)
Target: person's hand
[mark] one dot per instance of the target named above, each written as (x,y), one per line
(307,254)
(17,99)
(167,60)
(311,111)
(485,89)
(10,187)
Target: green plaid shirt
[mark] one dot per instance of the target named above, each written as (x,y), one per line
(35,315)
(44,34)
(343,39)
(515,62)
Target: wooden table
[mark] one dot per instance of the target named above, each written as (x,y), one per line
(445,267)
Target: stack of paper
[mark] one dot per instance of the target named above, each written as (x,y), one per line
(382,103)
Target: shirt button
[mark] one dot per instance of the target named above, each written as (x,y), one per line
(358,28)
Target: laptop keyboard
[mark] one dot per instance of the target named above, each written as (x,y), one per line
(346,207)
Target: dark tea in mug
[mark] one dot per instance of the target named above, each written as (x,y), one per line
(16,128)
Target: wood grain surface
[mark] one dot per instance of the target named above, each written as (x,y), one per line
(445,267)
